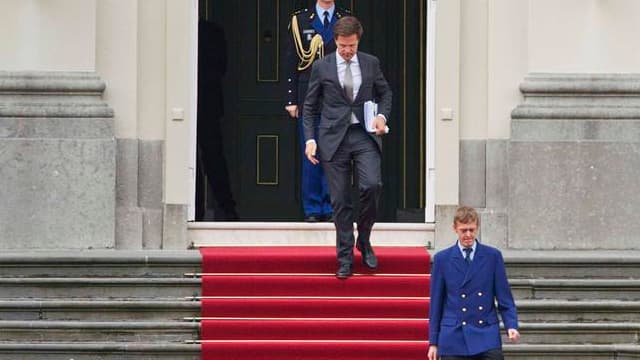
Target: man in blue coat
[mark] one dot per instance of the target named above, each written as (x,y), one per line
(467,279)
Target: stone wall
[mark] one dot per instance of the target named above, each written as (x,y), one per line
(57,162)
(567,177)
(574,162)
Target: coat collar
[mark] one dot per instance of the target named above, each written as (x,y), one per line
(469,271)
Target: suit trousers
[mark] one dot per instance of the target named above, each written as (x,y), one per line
(358,147)
(495,354)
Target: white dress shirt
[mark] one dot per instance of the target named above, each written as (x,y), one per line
(320,12)
(356,74)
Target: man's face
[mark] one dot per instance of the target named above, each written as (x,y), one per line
(347,46)
(466,233)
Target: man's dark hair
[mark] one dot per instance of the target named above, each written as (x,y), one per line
(347,26)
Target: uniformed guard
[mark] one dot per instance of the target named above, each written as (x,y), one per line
(311,37)
(469,288)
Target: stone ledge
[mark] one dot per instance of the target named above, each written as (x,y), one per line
(101,304)
(572,256)
(52,94)
(574,349)
(93,325)
(101,257)
(581,83)
(526,111)
(100,347)
(50,81)
(583,305)
(302,234)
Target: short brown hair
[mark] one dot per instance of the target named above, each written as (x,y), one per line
(347,26)
(466,215)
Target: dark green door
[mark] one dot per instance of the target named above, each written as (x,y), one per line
(261,144)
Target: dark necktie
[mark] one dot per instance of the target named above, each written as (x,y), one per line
(326,19)
(467,255)
(348,81)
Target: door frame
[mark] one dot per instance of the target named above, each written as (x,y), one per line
(430,113)
(193,112)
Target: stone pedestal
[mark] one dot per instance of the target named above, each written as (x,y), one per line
(57,162)
(574,163)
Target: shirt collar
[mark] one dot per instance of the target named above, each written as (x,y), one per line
(475,244)
(320,11)
(340,60)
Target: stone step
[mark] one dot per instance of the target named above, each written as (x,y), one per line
(585,311)
(571,352)
(99,263)
(91,331)
(299,233)
(99,310)
(99,350)
(98,288)
(582,264)
(576,289)
(578,333)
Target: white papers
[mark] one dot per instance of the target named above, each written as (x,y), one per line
(370,113)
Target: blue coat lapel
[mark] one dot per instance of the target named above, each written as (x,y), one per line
(476,265)
(458,262)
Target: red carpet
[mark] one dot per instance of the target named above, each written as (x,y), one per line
(284,303)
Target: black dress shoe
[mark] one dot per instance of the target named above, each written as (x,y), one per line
(369,258)
(344,271)
(311,219)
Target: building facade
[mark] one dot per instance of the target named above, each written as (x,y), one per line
(530,113)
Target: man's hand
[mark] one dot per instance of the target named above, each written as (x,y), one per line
(292,110)
(310,152)
(379,124)
(433,353)
(514,335)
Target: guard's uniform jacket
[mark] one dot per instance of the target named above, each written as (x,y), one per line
(304,48)
(463,317)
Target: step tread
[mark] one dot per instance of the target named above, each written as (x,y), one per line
(315,329)
(145,303)
(271,307)
(580,325)
(100,346)
(270,285)
(97,280)
(309,259)
(578,304)
(570,348)
(66,324)
(578,283)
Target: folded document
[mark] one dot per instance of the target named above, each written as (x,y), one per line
(370,113)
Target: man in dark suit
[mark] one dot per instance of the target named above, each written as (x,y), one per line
(466,281)
(311,36)
(339,86)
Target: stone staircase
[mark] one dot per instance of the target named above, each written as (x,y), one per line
(99,305)
(576,305)
(140,305)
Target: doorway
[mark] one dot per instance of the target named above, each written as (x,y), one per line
(259,141)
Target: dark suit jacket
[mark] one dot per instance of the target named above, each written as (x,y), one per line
(325,96)
(463,317)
